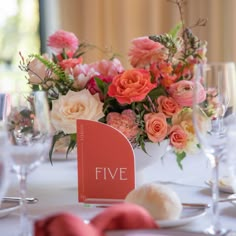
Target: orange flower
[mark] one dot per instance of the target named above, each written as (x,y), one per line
(168,106)
(131,86)
(178,138)
(156,126)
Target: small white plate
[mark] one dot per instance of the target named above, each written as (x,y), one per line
(232,196)
(8,207)
(188,215)
(224,184)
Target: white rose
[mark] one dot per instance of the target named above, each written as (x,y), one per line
(75,105)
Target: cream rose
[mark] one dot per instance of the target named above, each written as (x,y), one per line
(75,105)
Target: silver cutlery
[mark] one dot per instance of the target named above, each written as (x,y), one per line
(29,200)
(206,205)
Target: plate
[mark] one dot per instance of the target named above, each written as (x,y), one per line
(8,207)
(224,184)
(232,196)
(188,215)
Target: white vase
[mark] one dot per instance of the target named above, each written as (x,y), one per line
(155,151)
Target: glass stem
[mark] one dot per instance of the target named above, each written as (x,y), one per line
(25,229)
(215,197)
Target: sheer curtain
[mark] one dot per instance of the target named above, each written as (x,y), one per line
(112,24)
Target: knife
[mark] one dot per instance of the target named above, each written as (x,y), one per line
(29,200)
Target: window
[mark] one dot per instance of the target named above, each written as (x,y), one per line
(19,25)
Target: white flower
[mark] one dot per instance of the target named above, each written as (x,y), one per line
(75,105)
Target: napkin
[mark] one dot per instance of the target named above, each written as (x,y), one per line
(116,217)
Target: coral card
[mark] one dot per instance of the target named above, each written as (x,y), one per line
(106,168)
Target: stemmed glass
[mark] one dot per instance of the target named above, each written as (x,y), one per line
(4,162)
(29,137)
(213,88)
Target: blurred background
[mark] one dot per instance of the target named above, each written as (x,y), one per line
(108,24)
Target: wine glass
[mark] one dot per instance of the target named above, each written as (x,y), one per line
(4,162)
(27,121)
(214,84)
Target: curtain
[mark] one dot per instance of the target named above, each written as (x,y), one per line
(112,24)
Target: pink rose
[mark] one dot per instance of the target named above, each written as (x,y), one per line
(182,92)
(63,40)
(167,105)
(156,126)
(178,138)
(131,86)
(124,122)
(145,51)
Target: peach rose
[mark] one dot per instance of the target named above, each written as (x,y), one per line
(167,105)
(156,126)
(182,92)
(75,105)
(145,51)
(39,73)
(184,120)
(131,86)
(178,138)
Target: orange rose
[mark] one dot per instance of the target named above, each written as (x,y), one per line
(178,138)
(131,86)
(156,126)
(167,105)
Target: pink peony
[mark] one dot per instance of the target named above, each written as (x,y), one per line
(131,86)
(124,122)
(168,106)
(63,40)
(145,52)
(156,126)
(182,92)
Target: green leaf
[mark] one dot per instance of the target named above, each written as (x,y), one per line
(175,30)
(103,87)
(155,93)
(180,157)
(55,138)
(72,144)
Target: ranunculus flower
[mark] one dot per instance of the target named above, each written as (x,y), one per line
(124,122)
(156,126)
(75,105)
(145,51)
(167,105)
(178,138)
(63,40)
(131,86)
(182,92)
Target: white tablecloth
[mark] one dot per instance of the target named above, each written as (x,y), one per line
(56,188)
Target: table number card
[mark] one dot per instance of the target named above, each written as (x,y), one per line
(106,168)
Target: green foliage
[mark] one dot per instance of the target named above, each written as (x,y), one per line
(180,157)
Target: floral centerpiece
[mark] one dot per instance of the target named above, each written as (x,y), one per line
(150,102)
